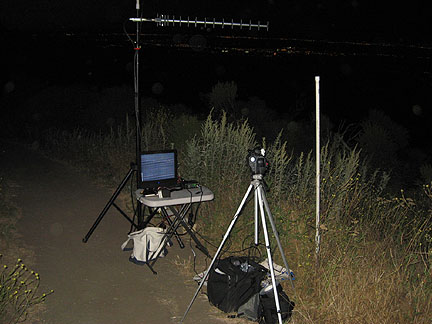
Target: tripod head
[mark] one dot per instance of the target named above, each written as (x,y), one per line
(258,179)
(257,161)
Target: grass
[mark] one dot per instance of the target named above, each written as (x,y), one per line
(375,261)
(364,282)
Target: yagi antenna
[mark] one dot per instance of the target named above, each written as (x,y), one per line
(166,20)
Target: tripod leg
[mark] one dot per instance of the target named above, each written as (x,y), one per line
(269,256)
(109,204)
(230,227)
(271,220)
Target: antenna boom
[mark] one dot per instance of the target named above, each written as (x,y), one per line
(165,20)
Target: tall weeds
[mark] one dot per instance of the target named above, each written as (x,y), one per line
(376,249)
(217,158)
(376,252)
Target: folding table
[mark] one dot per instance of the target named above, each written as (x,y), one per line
(179,204)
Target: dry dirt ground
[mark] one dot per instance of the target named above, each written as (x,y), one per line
(94,283)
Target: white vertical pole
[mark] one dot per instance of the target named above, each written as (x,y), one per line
(318,155)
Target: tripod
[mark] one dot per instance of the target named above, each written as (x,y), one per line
(133,166)
(111,202)
(260,201)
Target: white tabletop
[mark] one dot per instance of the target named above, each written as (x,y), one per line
(178,197)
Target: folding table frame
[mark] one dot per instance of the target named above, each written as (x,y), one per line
(178,204)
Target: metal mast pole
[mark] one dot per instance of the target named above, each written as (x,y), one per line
(137,48)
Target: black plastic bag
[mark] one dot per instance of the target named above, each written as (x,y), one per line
(233,281)
(268,307)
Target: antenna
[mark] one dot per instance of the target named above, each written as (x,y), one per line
(161,21)
(166,20)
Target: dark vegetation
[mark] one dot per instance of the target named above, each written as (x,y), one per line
(376,203)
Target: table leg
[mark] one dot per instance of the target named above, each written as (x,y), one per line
(180,217)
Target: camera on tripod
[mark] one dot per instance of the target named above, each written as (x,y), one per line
(257,162)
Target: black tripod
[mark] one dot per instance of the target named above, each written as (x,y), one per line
(133,166)
(111,202)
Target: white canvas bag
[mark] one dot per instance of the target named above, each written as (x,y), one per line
(146,243)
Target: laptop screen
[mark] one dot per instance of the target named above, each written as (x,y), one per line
(158,169)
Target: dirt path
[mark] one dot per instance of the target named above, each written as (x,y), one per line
(94,283)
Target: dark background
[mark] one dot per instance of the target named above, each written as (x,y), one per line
(369,55)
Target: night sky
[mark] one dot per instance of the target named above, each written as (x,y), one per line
(369,54)
(389,20)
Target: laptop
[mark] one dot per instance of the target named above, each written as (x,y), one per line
(157,170)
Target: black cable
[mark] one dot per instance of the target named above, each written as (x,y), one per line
(229,238)
(194,214)
(199,203)
(226,249)
(194,255)
(191,227)
(189,221)
(255,247)
(252,246)
(245,249)
(126,33)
